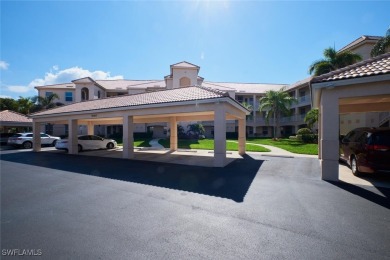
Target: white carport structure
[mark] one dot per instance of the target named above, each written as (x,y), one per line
(171,106)
(362,87)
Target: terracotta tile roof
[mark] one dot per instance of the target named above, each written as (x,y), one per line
(250,88)
(64,85)
(299,83)
(123,84)
(157,97)
(372,67)
(11,116)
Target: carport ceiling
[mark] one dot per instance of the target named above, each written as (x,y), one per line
(377,103)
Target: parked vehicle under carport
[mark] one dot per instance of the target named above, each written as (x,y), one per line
(25,140)
(366,150)
(88,142)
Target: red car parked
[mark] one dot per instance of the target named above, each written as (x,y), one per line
(367,150)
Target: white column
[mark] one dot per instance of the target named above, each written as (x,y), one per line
(241,136)
(72,136)
(36,136)
(173,137)
(90,128)
(329,142)
(128,137)
(219,135)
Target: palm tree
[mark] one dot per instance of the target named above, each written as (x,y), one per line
(382,45)
(25,105)
(276,103)
(249,107)
(311,117)
(333,61)
(45,102)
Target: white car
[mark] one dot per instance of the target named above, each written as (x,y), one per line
(25,140)
(88,142)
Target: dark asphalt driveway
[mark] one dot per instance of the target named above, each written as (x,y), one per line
(260,207)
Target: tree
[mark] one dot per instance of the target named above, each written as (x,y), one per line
(8,104)
(276,103)
(249,107)
(25,105)
(195,129)
(311,117)
(333,61)
(45,102)
(180,131)
(381,46)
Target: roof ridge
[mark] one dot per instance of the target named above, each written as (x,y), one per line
(216,91)
(130,79)
(352,66)
(184,61)
(245,83)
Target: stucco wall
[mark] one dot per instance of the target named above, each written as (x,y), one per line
(178,73)
(59,92)
(92,89)
(364,50)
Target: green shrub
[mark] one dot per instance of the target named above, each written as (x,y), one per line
(304,131)
(310,138)
(294,137)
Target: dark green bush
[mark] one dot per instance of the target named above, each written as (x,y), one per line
(310,138)
(304,131)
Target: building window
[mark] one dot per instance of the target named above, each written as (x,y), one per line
(84,94)
(265,130)
(47,94)
(69,96)
(185,82)
(98,94)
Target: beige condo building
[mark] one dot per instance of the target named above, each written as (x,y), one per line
(184,74)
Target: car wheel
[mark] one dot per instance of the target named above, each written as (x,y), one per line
(110,145)
(54,143)
(27,145)
(79,148)
(354,166)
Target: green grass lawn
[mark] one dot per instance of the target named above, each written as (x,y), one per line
(290,145)
(138,142)
(208,144)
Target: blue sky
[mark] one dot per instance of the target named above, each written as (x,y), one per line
(233,41)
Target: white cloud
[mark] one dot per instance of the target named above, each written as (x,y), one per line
(63,76)
(202,55)
(4,96)
(3,65)
(19,89)
(67,75)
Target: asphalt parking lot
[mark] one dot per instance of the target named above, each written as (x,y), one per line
(258,207)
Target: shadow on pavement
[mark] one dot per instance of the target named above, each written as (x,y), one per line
(231,182)
(366,193)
